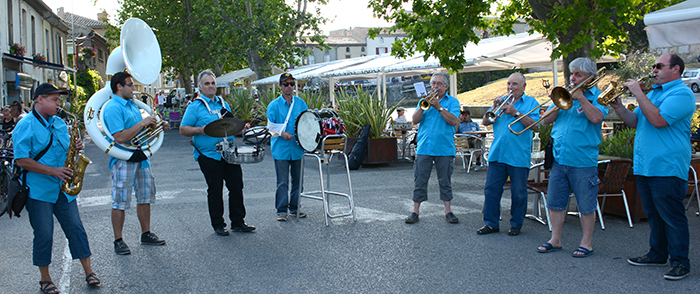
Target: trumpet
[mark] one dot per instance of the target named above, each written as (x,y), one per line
(492,115)
(612,91)
(562,99)
(425,101)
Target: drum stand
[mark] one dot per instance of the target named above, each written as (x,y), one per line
(331,145)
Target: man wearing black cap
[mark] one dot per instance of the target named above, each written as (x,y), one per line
(40,144)
(282,114)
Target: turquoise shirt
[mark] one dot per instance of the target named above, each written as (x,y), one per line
(31,136)
(197,115)
(510,148)
(665,152)
(435,135)
(575,137)
(276,113)
(121,114)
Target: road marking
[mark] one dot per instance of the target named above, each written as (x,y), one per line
(65,276)
(99,200)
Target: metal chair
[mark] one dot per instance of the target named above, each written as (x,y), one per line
(693,183)
(540,189)
(174,118)
(613,183)
(462,149)
(330,145)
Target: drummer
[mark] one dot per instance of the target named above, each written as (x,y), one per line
(204,110)
(282,114)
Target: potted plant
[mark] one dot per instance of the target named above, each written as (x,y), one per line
(39,57)
(17,49)
(362,109)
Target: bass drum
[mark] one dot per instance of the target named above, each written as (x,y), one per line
(310,127)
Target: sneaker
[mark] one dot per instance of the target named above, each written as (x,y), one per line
(412,218)
(121,248)
(677,272)
(149,238)
(242,228)
(645,261)
(294,214)
(451,218)
(282,217)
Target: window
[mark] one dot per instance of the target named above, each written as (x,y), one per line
(23,28)
(347,49)
(9,22)
(33,35)
(59,49)
(347,56)
(47,42)
(362,49)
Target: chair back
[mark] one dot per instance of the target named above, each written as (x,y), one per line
(615,176)
(691,174)
(334,142)
(174,116)
(461,142)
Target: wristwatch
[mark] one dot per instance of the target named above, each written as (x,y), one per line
(517,114)
(441,109)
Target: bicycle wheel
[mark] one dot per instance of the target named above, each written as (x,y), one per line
(4,184)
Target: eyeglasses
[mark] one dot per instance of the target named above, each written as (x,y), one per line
(658,66)
(208,83)
(436,83)
(287,84)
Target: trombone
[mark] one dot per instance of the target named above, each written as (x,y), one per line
(562,99)
(492,115)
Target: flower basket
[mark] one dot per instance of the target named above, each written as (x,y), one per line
(17,49)
(39,57)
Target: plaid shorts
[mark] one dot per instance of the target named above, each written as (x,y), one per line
(127,175)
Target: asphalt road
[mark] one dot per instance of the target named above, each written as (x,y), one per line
(377,254)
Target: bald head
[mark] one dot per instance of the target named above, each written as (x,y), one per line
(516,85)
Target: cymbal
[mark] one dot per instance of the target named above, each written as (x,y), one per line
(224,127)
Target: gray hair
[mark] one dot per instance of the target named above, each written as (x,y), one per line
(206,72)
(444,76)
(584,65)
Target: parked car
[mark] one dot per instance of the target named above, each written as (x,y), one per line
(176,95)
(691,77)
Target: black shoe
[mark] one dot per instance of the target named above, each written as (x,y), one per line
(677,272)
(514,231)
(645,261)
(221,231)
(412,218)
(451,218)
(121,248)
(243,228)
(149,238)
(486,230)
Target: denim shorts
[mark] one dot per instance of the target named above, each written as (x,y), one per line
(583,181)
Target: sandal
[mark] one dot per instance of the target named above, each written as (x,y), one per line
(92,280)
(547,248)
(48,287)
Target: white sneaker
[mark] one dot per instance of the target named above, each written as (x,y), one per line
(282,217)
(301,214)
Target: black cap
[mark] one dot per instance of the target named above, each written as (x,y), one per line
(286,76)
(47,88)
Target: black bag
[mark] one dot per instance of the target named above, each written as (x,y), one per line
(17,190)
(359,150)
(549,154)
(137,156)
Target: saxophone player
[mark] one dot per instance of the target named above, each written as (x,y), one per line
(40,144)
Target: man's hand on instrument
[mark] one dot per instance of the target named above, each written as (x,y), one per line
(616,103)
(149,120)
(166,125)
(287,136)
(578,95)
(62,173)
(634,87)
(509,109)
(435,102)
(246,127)
(79,144)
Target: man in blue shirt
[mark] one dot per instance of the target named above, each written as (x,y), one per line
(576,134)
(202,111)
(44,179)
(509,156)
(282,114)
(661,162)
(435,145)
(123,120)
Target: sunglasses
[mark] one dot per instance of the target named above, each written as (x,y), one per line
(658,66)
(287,84)
(129,85)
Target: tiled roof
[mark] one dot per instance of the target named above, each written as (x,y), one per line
(82,21)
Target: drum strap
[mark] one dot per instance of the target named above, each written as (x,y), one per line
(279,128)
(217,112)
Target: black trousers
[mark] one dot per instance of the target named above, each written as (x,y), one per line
(215,173)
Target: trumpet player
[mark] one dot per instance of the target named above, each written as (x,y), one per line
(509,156)
(435,145)
(123,119)
(576,134)
(40,143)
(661,162)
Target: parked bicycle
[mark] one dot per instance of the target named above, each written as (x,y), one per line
(6,157)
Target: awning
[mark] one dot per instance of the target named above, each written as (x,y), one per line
(37,63)
(234,76)
(274,79)
(676,25)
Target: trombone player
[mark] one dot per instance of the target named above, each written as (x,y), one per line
(576,136)
(509,155)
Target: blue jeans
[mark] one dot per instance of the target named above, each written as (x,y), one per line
(496,177)
(583,181)
(285,201)
(662,200)
(41,218)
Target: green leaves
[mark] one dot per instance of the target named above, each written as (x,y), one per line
(621,144)
(364,108)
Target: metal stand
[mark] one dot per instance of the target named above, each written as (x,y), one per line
(331,145)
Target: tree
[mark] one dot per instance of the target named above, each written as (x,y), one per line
(577,28)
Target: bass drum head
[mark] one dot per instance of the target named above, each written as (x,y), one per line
(308,130)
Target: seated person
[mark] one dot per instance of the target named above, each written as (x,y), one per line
(468,125)
(401,117)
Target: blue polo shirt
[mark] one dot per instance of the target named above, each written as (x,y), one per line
(197,115)
(510,148)
(121,114)
(31,136)
(467,126)
(575,137)
(665,152)
(276,113)
(435,135)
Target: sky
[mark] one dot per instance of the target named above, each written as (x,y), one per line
(343,14)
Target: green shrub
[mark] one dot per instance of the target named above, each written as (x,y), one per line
(545,133)
(363,109)
(621,144)
(242,105)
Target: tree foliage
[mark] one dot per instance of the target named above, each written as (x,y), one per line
(577,28)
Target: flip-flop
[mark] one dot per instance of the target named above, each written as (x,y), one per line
(585,251)
(548,248)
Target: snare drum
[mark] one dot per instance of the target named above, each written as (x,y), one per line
(243,154)
(313,125)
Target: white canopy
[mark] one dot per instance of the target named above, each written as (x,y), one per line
(274,79)
(676,25)
(233,76)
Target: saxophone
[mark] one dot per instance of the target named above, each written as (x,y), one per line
(75,161)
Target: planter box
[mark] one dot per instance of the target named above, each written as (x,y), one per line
(380,150)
